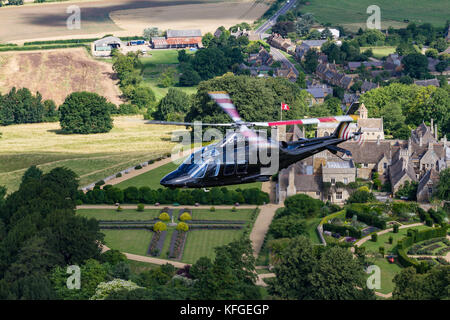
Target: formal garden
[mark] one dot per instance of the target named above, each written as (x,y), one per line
(176,234)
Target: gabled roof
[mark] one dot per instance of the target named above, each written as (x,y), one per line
(431,176)
(184,33)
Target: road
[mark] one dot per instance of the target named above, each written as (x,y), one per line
(277,54)
(269,23)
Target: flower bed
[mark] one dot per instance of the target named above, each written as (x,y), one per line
(156,245)
(177,244)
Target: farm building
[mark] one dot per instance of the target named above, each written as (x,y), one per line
(178,39)
(103,47)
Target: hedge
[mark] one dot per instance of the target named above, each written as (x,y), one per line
(342,230)
(217,196)
(413,237)
(368,218)
(29,48)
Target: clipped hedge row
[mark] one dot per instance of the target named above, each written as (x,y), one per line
(342,230)
(149,227)
(28,48)
(216,221)
(368,218)
(413,237)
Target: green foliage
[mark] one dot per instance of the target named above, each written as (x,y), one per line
(104,289)
(415,65)
(140,207)
(443,187)
(21,106)
(167,78)
(164,216)
(150,32)
(311,272)
(311,61)
(159,226)
(182,226)
(408,190)
(185,216)
(175,102)
(85,112)
(374,237)
(395,228)
(361,196)
(113,257)
(287,227)
(303,205)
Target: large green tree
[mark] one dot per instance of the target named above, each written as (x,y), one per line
(86,112)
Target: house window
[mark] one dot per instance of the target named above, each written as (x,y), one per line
(338,195)
(430,190)
(317,193)
(346,180)
(333,180)
(385,165)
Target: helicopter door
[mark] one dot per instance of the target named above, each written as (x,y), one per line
(229,169)
(241,168)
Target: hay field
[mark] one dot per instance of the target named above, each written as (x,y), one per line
(57,73)
(48,21)
(206,17)
(351,14)
(92,157)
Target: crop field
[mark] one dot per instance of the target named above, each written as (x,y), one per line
(351,14)
(92,157)
(57,73)
(124,17)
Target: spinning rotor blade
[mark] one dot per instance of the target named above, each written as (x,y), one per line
(305,121)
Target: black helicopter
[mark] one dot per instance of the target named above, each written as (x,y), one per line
(215,165)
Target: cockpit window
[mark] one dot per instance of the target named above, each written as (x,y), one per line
(200,171)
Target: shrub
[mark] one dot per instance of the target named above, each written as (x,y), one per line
(182,227)
(100,183)
(391,240)
(118,175)
(429,222)
(395,228)
(159,226)
(185,216)
(212,209)
(233,209)
(140,207)
(374,237)
(138,167)
(119,209)
(381,250)
(164,216)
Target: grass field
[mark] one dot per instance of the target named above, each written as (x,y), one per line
(92,157)
(112,214)
(383,240)
(222,214)
(151,179)
(200,243)
(379,52)
(351,14)
(138,266)
(130,241)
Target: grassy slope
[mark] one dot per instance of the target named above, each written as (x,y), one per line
(92,157)
(151,179)
(352,13)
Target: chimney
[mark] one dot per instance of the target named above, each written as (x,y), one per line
(435,132)
(281,133)
(378,140)
(291,190)
(432,126)
(420,141)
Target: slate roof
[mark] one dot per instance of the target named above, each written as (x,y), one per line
(184,33)
(426,83)
(430,176)
(369,151)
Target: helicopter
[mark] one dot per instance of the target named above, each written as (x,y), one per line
(235,160)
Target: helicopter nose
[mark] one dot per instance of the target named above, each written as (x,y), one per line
(172,180)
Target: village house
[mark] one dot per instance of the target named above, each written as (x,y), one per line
(261,58)
(429,82)
(367,86)
(104,46)
(353,66)
(285,72)
(281,43)
(427,186)
(329,73)
(176,39)
(393,64)
(319,92)
(307,45)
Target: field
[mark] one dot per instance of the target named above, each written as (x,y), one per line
(351,14)
(92,157)
(123,17)
(151,179)
(126,214)
(130,241)
(153,66)
(57,73)
(388,272)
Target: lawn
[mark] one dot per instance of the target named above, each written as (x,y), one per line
(379,52)
(153,66)
(383,240)
(151,179)
(388,272)
(139,267)
(92,157)
(129,241)
(311,228)
(201,243)
(222,214)
(352,14)
(112,214)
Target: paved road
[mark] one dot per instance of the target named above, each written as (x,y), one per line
(279,56)
(269,23)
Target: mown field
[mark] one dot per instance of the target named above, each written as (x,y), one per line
(379,52)
(351,14)
(92,157)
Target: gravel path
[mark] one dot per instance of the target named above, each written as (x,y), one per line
(261,226)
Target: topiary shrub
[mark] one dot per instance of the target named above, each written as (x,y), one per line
(212,209)
(118,175)
(138,167)
(100,183)
(374,237)
(381,250)
(164,216)
(395,229)
(159,226)
(119,209)
(182,226)
(185,216)
(140,207)
(391,240)
(429,222)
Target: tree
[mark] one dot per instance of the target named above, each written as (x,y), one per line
(304,24)
(21,106)
(393,120)
(303,205)
(189,77)
(311,61)
(85,112)
(143,97)
(32,172)
(415,65)
(326,34)
(361,196)
(287,227)
(443,187)
(442,66)
(150,32)
(167,78)
(301,80)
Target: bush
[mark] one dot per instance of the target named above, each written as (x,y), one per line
(164,216)
(233,209)
(395,228)
(182,227)
(140,207)
(212,209)
(138,167)
(381,250)
(185,216)
(118,175)
(119,209)
(100,183)
(391,240)
(342,230)
(374,237)
(159,226)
